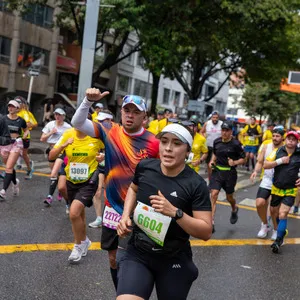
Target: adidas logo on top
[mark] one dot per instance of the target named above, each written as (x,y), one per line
(174,194)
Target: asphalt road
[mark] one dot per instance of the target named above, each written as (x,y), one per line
(230,266)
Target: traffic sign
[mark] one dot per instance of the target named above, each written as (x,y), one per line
(294,77)
(34,73)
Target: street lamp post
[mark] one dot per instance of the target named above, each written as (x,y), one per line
(88,48)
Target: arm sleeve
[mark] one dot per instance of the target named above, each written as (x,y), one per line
(201,199)
(81,122)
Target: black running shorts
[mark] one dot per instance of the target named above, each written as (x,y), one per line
(109,239)
(223,180)
(263,193)
(83,192)
(172,275)
(26,143)
(277,200)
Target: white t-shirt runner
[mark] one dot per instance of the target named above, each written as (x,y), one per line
(53,138)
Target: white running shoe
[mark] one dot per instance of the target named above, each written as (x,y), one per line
(96,224)
(67,210)
(76,254)
(16,188)
(2,195)
(85,245)
(264,229)
(274,235)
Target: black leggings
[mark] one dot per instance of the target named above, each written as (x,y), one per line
(173,276)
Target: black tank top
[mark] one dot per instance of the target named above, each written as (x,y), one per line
(252,131)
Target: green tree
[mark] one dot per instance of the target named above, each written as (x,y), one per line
(265,100)
(203,38)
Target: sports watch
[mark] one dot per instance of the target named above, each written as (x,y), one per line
(179,214)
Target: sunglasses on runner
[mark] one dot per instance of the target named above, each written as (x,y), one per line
(136,100)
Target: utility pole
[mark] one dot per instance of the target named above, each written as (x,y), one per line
(88,48)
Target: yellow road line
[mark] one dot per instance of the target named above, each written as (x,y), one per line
(5,249)
(254,209)
(34,173)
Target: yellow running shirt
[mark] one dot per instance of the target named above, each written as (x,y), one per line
(198,147)
(28,117)
(81,155)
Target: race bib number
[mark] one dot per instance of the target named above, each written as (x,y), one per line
(190,158)
(79,171)
(154,224)
(251,140)
(111,218)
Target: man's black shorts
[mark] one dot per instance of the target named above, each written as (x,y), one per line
(83,192)
(26,143)
(277,200)
(263,193)
(109,239)
(225,180)
(209,154)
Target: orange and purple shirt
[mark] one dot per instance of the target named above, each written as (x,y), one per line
(122,154)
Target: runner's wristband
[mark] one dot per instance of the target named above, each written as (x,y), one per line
(279,161)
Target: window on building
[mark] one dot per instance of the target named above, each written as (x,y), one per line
(220,106)
(166,96)
(176,98)
(142,88)
(123,83)
(209,90)
(5,45)
(41,15)
(28,54)
(140,60)
(127,49)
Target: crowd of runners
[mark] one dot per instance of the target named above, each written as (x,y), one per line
(147,173)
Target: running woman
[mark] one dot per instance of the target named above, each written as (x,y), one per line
(81,151)
(286,164)
(31,123)
(51,134)
(227,155)
(264,190)
(125,146)
(169,202)
(10,153)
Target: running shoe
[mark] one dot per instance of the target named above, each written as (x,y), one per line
(76,254)
(19,167)
(276,245)
(59,197)
(29,174)
(16,188)
(263,232)
(2,195)
(274,235)
(48,200)
(96,224)
(234,216)
(85,245)
(67,210)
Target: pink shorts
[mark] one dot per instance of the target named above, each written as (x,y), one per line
(16,147)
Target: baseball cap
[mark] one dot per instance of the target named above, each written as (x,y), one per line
(278,129)
(60,111)
(160,112)
(100,105)
(103,116)
(138,101)
(294,133)
(20,99)
(194,119)
(168,110)
(227,125)
(14,103)
(180,131)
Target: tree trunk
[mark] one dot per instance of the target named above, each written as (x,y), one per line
(154,94)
